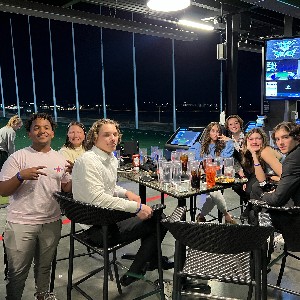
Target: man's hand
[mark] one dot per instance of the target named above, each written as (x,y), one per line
(133,197)
(69,167)
(32,173)
(145,212)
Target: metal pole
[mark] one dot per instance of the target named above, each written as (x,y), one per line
(75,75)
(15,67)
(174,86)
(52,71)
(2,95)
(32,69)
(102,70)
(134,83)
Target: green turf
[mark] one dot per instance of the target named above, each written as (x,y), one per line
(3,200)
(146,138)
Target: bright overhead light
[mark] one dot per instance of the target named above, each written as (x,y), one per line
(195,24)
(168,5)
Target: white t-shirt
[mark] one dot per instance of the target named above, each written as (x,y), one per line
(33,201)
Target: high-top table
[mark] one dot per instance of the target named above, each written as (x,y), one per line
(140,176)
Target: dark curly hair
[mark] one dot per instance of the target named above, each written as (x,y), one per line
(206,139)
(94,131)
(291,127)
(68,144)
(33,117)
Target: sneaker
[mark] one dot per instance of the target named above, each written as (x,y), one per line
(45,296)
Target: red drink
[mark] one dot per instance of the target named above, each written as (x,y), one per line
(210,172)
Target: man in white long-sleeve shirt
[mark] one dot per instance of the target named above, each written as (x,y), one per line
(94,181)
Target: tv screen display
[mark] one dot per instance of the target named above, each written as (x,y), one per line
(185,137)
(282,69)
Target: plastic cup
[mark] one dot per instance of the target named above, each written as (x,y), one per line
(210,172)
(143,155)
(176,172)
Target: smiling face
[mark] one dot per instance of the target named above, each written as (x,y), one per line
(108,138)
(214,133)
(234,125)
(255,141)
(41,133)
(284,141)
(76,135)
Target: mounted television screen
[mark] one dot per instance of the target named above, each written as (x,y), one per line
(184,138)
(282,69)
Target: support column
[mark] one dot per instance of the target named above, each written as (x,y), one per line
(231,64)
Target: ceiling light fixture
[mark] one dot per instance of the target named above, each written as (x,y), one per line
(195,25)
(168,5)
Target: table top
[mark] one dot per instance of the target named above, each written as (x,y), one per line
(143,178)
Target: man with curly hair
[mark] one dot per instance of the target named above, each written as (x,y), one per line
(94,181)
(29,177)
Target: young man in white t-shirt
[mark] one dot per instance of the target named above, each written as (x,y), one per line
(29,177)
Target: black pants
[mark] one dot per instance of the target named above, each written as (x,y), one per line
(3,158)
(133,229)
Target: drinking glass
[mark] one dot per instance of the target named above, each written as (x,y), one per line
(210,172)
(118,156)
(207,159)
(176,172)
(219,168)
(153,152)
(166,171)
(229,167)
(195,174)
(160,169)
(184,160)
(143,155)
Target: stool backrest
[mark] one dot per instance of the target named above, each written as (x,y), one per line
(85,213)
(219,238)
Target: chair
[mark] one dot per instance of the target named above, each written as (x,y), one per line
(286,220)
(84,213)
(218,252)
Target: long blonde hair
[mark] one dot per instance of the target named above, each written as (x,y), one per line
(14,121)
(94,131)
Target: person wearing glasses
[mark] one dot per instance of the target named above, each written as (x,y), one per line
(7,138)
(75,144)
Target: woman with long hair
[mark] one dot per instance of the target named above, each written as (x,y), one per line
(7,138)
(259,159)
(75,144)
(213,143)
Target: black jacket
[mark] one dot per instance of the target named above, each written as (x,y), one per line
(289,184)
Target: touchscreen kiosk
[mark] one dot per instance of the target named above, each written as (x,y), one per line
(184,138)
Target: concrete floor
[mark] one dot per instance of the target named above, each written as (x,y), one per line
(94,285)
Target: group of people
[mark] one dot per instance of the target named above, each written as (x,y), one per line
(86,166)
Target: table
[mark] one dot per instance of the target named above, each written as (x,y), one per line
(137,176)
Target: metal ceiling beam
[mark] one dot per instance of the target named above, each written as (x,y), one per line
(69,15)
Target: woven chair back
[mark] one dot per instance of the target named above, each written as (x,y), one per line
(85,213)
(219,238)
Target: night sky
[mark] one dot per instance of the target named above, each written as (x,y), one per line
(197,68)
